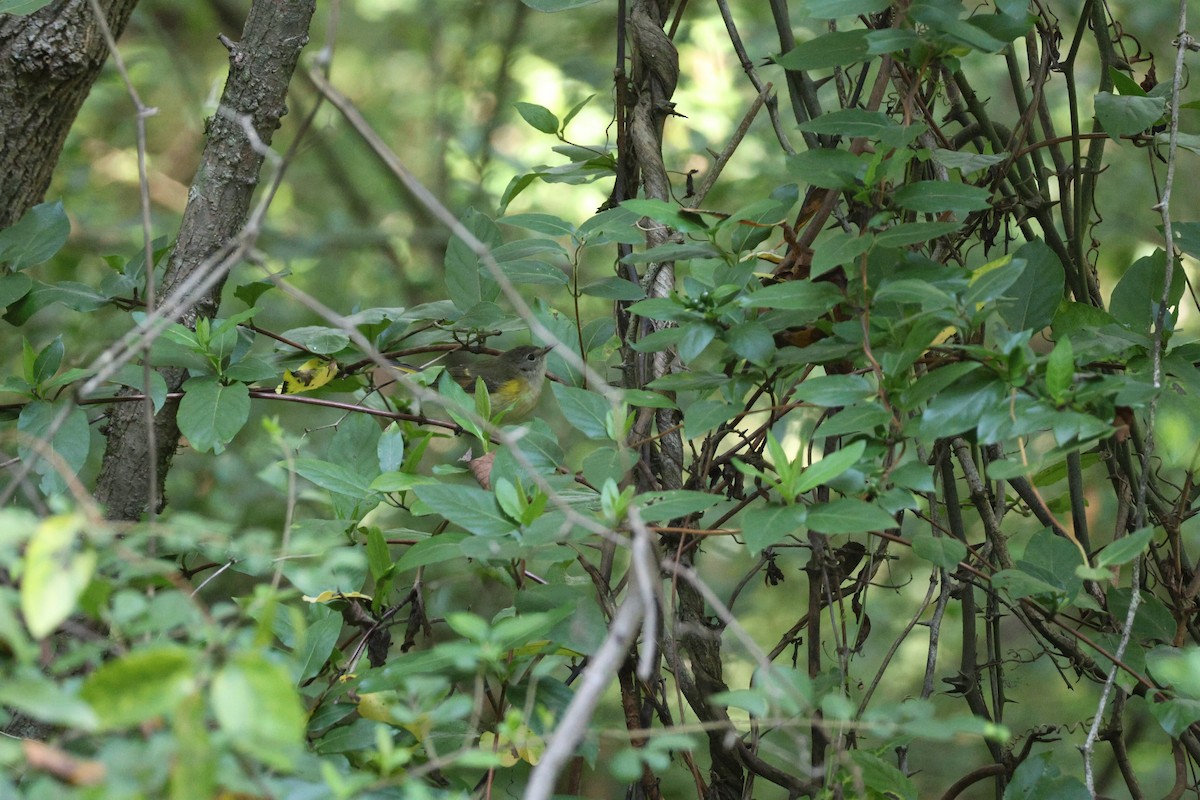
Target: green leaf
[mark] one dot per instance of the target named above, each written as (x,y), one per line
(766,526)
(249,292)
(968,34)
(753,701)
(45,700)
(60,427)
(752,341)
(196,761)
(13,287)
(390,449)
(839,48)
(673,251)
(933,197)
(668,214)
(851,122)
(539,117)
(1138,293)
(668,505)
(459,405)
(913,290)
(1052,559)
(1038,778)
(1177,430)
(46,365)
(1060,369)
(434,550)
(22,7)
(1019,584)
(834,390)
(1176,667)
(398,482)
(28,359)
(37,235)
(318,339)
(944,551)
(991,280)
(256,705)
(547,224)
(613,225)
(511,502)
(468,281)
(966,162)
(855,419)
(646,399)
(596,335)
(587,411)
(934,381)
(960,406)
(134,376)
(913,233)
(607,462)
(575,109)
(665,308)
(1031,302)
(837,250)
(830,467)
(809,300)
(1124,84)
(1187,237)
(828,168)
(848,515)
(333,477)
(703,416)
(915,475)
(471,509)
(141,685)
(1176,716)
(319,640)
(881,778)
(891,40)
(211,413)
(694,338)
(697,380)
(1071,318)
(73,295)
(615,289)
(1125,549)
(832,9)
(528,248)
(56,571)
(1122,115)
(379,558)
(516,185)
(754,223)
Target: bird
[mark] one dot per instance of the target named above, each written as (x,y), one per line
(514,379)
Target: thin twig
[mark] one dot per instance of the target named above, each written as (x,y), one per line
(599,673)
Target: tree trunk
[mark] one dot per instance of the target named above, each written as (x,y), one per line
(260,68)
(50,60)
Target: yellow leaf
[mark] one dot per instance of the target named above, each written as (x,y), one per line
(328,596)
(375,706)
(313,374)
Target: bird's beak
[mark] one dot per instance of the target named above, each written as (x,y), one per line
(545,350)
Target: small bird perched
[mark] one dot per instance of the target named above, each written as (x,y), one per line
(514,379)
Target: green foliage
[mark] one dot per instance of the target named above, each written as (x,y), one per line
(896,359)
